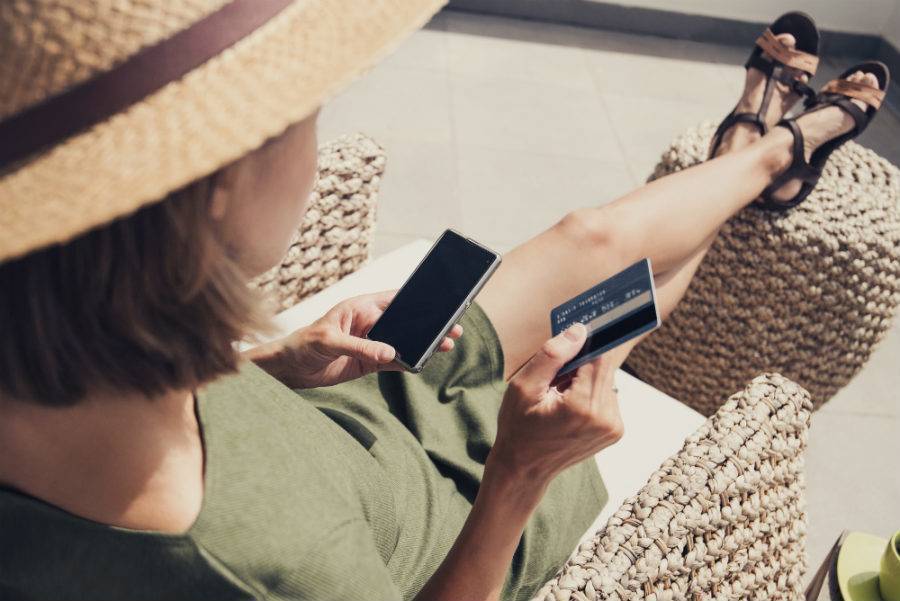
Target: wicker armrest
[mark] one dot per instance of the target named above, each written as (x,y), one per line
(334,238)
(723,518)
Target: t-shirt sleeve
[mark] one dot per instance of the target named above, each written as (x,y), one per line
(344,566)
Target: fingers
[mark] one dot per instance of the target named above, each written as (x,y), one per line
(580,387)
(369,351)
(540,370)
(383,299)
(447,343)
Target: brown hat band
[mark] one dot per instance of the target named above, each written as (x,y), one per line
(95,100)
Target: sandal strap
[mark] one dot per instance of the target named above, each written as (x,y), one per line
(775,70)
(787,56)
(798,169)
(797,156)
(805,91)
(730,121)
(860,118)
(871,96)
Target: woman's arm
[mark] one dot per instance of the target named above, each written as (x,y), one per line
(540,432)
(476,566)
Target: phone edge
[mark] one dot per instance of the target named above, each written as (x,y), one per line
(462,308)
(498,258)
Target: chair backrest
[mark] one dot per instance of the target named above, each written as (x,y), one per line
(724,516)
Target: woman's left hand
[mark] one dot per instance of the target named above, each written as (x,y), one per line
(334,349)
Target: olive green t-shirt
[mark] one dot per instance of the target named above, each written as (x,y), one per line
(351,492)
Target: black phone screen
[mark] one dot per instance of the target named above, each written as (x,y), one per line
(438,287)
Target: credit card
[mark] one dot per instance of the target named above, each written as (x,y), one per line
(614,311)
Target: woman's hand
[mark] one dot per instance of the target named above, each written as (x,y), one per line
(334,349)
(542,431)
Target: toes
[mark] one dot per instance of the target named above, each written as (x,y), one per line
(787,39)
(791,42)
(867,79)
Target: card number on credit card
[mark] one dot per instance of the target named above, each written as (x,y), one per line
(614,311)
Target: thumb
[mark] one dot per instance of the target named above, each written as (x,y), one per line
(363,349)
(540,370)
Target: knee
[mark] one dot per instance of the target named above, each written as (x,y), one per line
(589,228)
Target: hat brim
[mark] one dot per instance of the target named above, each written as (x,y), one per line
(217,113)
(858,565)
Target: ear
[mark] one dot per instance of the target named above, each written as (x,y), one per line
(222,191)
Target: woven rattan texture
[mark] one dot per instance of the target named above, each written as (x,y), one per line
(336,232)
(807,293)
(722,519)
(212,116)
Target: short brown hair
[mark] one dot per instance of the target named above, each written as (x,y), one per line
(149,303)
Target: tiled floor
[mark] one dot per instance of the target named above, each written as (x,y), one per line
(498,127)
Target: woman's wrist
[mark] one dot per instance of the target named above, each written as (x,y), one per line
(504,479)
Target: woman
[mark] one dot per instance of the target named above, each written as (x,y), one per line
(151,160)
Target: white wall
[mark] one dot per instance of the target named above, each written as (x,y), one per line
(859,16)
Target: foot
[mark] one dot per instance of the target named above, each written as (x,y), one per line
(783,97)
(820,126)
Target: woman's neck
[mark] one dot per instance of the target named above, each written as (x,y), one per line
(123,460)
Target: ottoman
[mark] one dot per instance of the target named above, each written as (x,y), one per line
(807,293)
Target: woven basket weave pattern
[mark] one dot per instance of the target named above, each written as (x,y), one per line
(215,114)
(808,293)
(722,519)
(336,232)
(73,43)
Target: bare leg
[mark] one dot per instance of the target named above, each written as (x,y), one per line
(668,220)
(671,220)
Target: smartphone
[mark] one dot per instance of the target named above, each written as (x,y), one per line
(434,297)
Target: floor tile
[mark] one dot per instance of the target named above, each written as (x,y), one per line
(478,48)
(522,115)
(383,243)
(660,68)
(852,483)
(424,49)
(643,140)
(392,102)
(874,390)
(508,196)
(419,189)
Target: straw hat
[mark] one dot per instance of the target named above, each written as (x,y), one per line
(108,105)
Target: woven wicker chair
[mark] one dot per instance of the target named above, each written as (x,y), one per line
(722,519)
(336,232)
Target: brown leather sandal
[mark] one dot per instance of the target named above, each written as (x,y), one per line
(786,66)
(836,92)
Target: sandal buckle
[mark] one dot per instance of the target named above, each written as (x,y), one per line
(809,95)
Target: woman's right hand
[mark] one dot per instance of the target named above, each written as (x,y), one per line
(542,431)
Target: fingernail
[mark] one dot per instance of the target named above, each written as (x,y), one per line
(386,354)
(575,331)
